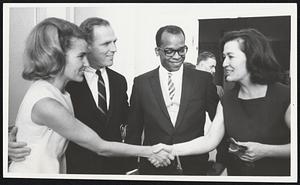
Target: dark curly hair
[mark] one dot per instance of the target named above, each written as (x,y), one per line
(261,62)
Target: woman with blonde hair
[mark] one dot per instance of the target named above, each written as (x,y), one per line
(56,54)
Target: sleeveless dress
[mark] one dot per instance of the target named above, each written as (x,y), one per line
(47,146)
(258,120)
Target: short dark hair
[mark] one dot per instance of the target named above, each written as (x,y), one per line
(261,62)
(170,29)
(46,47)
(87,26)
(204,55)
(189,65)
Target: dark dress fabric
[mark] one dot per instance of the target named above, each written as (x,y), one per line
(258,120)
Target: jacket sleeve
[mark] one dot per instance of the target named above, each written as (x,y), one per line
(124,103)
(135,117)
(212,98)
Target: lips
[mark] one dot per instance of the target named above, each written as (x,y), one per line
(176,62)
(82,69)
(227,71)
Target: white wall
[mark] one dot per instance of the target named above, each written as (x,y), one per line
(135,26)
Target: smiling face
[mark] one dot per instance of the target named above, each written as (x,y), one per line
(76,60)
(103,47)
(174,42)
(235,62)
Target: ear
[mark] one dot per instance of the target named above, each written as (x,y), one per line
(156,52)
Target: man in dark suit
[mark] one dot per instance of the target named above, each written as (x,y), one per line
(101,46)
(104,114)
(169,104)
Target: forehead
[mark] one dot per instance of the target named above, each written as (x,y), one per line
(172,40)
(103,34)
(232,46)
(78,44)
(210,61)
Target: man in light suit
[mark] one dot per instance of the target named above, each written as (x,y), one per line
(106,121)
(169,104)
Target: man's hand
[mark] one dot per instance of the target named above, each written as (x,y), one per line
(162,155)
(17,151)
(254,152)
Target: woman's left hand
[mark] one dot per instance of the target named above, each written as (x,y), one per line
(254,152)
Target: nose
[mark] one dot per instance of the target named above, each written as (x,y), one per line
(113,47)
(177,56)
(225,62)
(85,62)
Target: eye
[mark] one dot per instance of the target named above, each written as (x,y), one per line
(168,51)
(82,55)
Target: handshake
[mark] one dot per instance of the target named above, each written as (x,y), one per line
(162,155)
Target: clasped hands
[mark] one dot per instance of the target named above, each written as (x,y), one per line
(162,155)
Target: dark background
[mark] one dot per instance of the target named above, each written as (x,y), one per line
(277,29)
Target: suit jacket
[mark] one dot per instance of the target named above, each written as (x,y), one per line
(81,160)
(148,112)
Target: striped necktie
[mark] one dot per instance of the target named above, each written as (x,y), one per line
(171,86)
(102,106)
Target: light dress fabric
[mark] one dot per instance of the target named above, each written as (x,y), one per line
(47,146)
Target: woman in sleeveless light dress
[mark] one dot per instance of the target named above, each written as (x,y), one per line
(47,146)
(55,54)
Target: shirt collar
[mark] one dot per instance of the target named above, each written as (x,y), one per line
(177,73)
(91,70)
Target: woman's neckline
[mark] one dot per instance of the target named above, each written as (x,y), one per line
(255,98)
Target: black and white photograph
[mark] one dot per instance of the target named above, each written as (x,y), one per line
(150,91)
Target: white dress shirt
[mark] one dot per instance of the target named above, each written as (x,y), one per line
(92,81)
(172,105)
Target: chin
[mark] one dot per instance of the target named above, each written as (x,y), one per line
(78,79)
(228,79)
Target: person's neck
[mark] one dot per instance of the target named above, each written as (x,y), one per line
(249,90)
(58,82)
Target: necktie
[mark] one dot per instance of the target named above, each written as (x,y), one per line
(101,94)
(171,86)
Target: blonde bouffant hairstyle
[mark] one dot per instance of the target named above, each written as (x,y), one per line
(46,47)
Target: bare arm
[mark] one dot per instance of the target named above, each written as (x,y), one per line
(205,143)
(51,113)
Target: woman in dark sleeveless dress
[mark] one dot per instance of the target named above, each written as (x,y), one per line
(255,113)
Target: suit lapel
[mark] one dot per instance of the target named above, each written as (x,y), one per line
(156,89)
(90,97)
(187,88)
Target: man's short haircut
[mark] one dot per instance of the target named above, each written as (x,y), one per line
(261,62)
(169,29)
(204,55)
(46,47)
(87,26)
